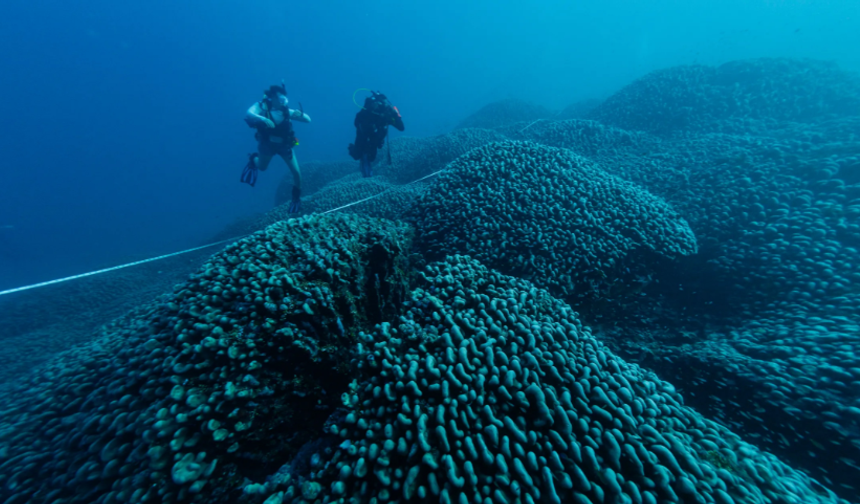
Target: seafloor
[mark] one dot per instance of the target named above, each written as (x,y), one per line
(649,299)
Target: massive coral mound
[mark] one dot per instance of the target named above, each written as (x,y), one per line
(769,299)
(503,113)
(776,217)
(413,158)
(788,383)
(589,138)
(776,221)
(304,364)
(35,325)
(546,214)
(697,98)
(489,390)
(233,374)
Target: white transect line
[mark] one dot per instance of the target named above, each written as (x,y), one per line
(375,195)
(531,124)
(121,266)
(539,120)
(151,259)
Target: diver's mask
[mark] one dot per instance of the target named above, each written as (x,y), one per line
(282,100)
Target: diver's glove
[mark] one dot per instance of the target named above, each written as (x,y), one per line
(396,119)
(296,203)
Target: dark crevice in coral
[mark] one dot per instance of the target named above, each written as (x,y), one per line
(379,287)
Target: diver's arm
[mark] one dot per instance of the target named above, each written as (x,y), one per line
(298,115)
(393,118)
(255,118)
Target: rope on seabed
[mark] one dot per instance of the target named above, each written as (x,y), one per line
(541,119)
(531,124)
(165,256)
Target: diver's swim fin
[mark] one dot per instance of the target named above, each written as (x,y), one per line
(249,174)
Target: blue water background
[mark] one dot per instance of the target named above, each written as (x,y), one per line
(122,133)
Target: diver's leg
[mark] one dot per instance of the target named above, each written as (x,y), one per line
(264,156)
(365,166)
(370,152)
(293,165)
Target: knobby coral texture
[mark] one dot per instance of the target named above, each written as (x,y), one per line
(456,383)
(643,300)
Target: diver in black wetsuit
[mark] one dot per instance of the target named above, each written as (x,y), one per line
(273,120)
(371,128)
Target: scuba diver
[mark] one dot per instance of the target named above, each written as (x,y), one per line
(371,128)
(273,120)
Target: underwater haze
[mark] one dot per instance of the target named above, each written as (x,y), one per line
(123,135)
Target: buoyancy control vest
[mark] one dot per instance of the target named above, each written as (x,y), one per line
(281,134)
